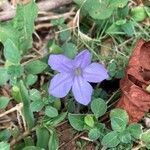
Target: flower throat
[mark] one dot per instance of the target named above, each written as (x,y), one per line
(78,71)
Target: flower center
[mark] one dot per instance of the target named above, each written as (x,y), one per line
(78,71)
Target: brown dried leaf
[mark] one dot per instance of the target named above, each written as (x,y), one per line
(135,100)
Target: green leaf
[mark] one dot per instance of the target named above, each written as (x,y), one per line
(36,105)
(52,99)
(4,77)
(57,104)
(94,134)
(98,107)
(111,139)
(28,114)
(13,80)
(135,130)
(119,119)
(128,28)
(8,32)
(123,146)
(65,33)
(114,29)
(88,119)
(101,127)
(3,102)
(58,21)
(15,132)
(5,135)
(112,67)
(35,94)
(147,10)
(70,50)
(138,13)
(99,9)
(118,3)
(51,111)
(55,121)
(55,49)
(83,7)
(76,121)
(11,52)
(121,22)
(71,106)
(118,124)
(125,137)
(4,146)
(123,12)
(120,74)
(42,137)
(19,30)
(29,141)
(147,146)
(32,148)
(15,92)
(53,143)
(35,67)
(145,137)
(31,79)
(24,24)
(78,2)
(15,70)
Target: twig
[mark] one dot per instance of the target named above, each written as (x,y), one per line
(138,147)
(16,108)
(19,120)
(35,58)
(65,16)
(4,121)
(52,4)
(50,17)
(86,139)
(43,25)
(9,11)
(112,96)
(76,137)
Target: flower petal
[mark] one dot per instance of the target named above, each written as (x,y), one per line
(95,72)
(82,90)
(60,85)
(60,63)
(83,59)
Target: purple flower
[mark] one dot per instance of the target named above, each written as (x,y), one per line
(75,74)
